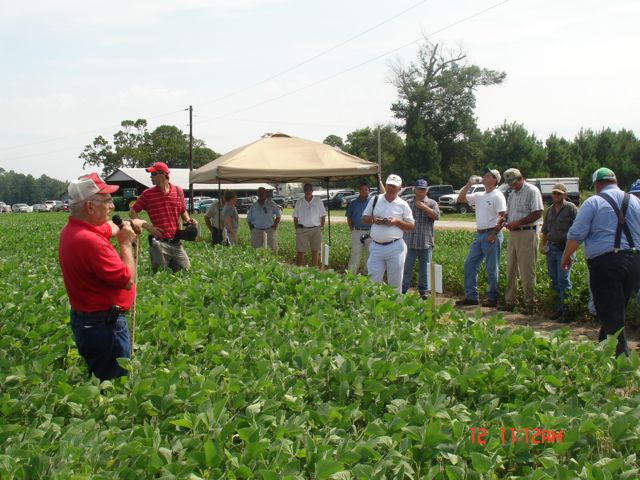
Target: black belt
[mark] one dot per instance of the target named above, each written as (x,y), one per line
(172,241)
(485,230)
(523,228)
(387,243)
(312,226)
(100,317)
(99,313)
(362,229)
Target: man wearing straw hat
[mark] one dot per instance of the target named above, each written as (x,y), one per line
(100,282)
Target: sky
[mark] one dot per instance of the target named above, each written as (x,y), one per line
(74,69)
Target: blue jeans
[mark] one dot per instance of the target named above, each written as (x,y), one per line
(479,250)
(100,344)
(424,257)
(560,279)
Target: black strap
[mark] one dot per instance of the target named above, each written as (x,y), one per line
(622,224)
(375,200)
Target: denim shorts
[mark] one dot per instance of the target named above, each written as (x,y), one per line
(101,344)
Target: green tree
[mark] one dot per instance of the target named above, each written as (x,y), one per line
(562,160)
(334,141)
(511,145)
(363,143)
(134,146)
(436,105)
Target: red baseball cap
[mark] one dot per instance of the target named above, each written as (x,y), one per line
(88,185)
(158,167)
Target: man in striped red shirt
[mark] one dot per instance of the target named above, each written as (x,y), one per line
(164,202)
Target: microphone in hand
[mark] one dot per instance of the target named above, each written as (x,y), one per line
(117,219)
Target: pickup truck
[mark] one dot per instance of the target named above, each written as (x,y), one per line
(450,202)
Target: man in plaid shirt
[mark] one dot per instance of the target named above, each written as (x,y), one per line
(420,240)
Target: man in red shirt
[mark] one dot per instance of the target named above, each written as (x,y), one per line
(100,282)
(164,202)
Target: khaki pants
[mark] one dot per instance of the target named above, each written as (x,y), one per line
(308,238)
(257,238)
(168,255)
(522,255)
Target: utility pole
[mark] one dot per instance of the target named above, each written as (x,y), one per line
(190,159)
(379,152)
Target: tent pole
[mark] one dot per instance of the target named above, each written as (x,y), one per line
(329,212)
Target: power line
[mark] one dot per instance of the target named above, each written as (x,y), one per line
(292,92)
(354,67)
(314,57)
(304,124)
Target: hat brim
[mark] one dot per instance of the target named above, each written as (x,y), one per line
(557,191)
(109,189)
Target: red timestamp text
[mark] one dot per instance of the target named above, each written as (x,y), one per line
(532,436)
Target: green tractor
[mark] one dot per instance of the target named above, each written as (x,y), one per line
(125,200)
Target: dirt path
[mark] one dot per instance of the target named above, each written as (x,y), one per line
(541,323)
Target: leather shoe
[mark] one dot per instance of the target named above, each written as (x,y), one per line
(466,302)
(490,303)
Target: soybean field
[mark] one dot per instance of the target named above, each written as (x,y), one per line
(249,368)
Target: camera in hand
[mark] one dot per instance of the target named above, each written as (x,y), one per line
(364,237)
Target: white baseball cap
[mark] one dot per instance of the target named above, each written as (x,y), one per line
(394,180)
(86,186)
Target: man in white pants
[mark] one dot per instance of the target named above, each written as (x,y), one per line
(389,217)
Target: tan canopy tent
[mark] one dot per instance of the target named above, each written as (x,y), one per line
(282,158)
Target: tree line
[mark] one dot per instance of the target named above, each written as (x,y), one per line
(508,145)
(20,188)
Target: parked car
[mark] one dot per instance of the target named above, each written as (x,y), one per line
(53,205)
(291,201)
(4,208)
(21,208)
(436,191)
(279,200)
(195,201)
(244,204)
(449,202)
(406,191)
(346,200)
(40,207)
(201,206)
(65,206)
(335,201)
